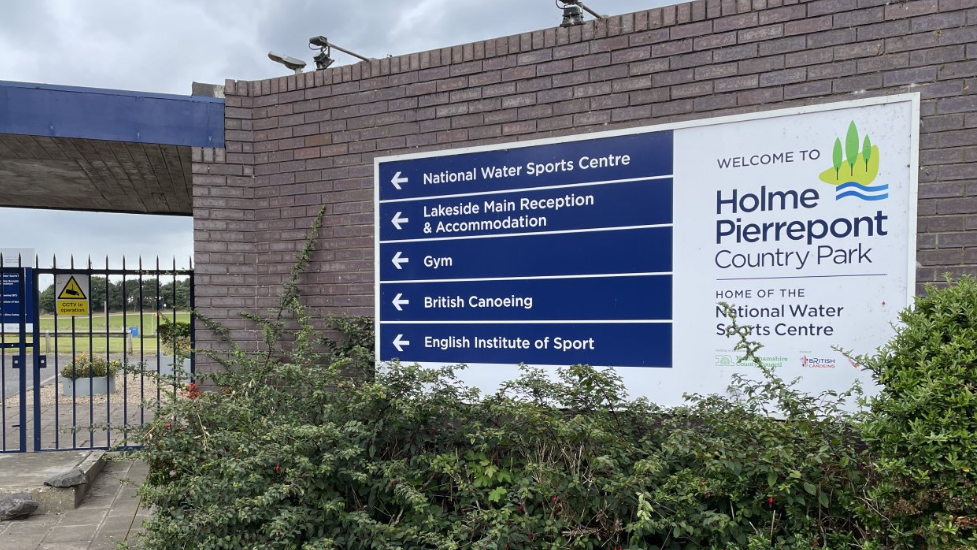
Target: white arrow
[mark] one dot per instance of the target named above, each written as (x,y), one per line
(398,220)
(398,260)
(398,301)
(398,343)
(398,180)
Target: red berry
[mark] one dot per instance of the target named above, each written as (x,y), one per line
(167,425)
(521,509)
(192,390)
(555,498)
(277,468)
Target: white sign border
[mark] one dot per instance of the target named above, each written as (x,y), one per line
(912,98)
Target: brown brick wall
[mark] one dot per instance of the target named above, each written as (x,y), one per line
(224,234)
(298,142)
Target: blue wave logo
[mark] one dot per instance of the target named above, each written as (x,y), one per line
(854,168)
(864,192)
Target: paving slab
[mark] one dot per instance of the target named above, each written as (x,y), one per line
(100,522)
(26,472)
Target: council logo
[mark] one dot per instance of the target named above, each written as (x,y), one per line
(854,166)
(724,361)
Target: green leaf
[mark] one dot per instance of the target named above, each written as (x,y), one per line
(771,478)
(810,487)
(823,499)
(496,494)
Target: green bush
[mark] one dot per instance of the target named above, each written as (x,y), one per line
(174,337)
(772,467)
(86,365)
(922,429)
(412,458)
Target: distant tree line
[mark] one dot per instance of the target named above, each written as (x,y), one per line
(127,296)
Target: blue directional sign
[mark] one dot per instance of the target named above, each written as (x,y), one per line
(545,254)
(549,254)
(16,296)
(630,344)
(531,211)
(629,297)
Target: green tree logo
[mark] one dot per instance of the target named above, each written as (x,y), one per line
(854,166)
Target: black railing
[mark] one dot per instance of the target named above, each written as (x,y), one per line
(96,365)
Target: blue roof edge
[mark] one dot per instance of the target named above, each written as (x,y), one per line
(107,91)
(111,115)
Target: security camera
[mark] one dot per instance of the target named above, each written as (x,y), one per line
(292,63)
(324,58)
(572,14)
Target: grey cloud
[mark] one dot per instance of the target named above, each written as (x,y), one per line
(97,235)
(164,45)
(392,27)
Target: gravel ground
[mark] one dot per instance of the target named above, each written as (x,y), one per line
(97,421)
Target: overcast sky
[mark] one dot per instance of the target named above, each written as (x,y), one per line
(164,45)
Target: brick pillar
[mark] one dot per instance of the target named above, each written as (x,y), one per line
(224,232)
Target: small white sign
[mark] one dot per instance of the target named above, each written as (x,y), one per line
(17,257)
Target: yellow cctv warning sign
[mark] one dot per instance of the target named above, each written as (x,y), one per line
(72,294)
(72,291)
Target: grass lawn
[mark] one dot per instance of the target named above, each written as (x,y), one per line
(96,341)
(148,325)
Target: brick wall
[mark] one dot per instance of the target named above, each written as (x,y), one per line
(298,142)
(225,259)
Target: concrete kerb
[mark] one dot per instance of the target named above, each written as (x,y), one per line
(26,472)
(92,465)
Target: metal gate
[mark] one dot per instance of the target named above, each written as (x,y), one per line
(89,354)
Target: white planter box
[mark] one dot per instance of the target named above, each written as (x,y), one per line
(87,386)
